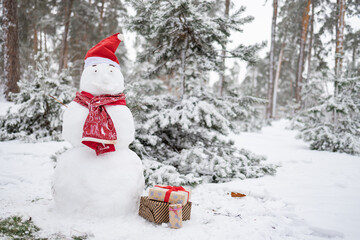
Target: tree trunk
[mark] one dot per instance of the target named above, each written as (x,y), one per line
(45,43)
(222,74)
(67,13)
(11,47)
(35,31)
(339,52)
(304,27)
(41,41)
(35,42)
(101,17)
(271,65)
(183,59)
(277,76)
(311,39)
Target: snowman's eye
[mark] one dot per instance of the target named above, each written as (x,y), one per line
(95,70)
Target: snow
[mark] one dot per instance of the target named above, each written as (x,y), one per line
(4,106)
(314,195)
(323,187)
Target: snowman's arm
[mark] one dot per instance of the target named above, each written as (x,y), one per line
(124,125)
(128,133)
(73,122)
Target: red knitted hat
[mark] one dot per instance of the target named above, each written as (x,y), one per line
(104,51)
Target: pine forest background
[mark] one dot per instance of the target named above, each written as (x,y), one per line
(310,74)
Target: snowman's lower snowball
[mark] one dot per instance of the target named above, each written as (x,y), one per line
(104,186)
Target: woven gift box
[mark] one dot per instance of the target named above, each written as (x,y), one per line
(158,212)
(170,194)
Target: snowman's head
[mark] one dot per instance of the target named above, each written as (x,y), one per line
(102,73)
(103,78)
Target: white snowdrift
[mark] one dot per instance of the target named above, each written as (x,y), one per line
(315,195)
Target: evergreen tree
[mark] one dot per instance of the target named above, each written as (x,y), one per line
(246,105)
(2,40)
(91,22)
(255,82)
(35,114)
(352,43)
(183,41)
(11,47)
(186,142)
(37,30)
(332,123)
(288,37)
(318,126)
(313,90)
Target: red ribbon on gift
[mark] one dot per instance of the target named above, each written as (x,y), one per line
(172,189)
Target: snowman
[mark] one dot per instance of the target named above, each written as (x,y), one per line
(99,175)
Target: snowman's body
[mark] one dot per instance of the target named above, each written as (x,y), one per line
(75,116)
(109,184)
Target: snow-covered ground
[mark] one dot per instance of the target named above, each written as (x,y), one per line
(314,195)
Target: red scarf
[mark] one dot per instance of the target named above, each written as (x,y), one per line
(99,131)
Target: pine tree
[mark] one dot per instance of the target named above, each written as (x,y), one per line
(11,47)
(299,70)
(331,120)
(287,47)
(247,105)
(182,39)
(84,31)
(68,7)
(255,82)
(223,53)
(35,115)
(186,142)
(37,26)
(318,126)
(270,91)
(2,84)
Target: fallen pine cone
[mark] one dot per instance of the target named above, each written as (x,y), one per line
(235,194)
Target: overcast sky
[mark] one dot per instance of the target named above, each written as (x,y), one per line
(255,32)
(259,29)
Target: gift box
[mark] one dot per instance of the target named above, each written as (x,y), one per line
(175,215)
(170,194)
(158,212)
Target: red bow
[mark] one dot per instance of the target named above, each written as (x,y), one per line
(172,189)
(99,131)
